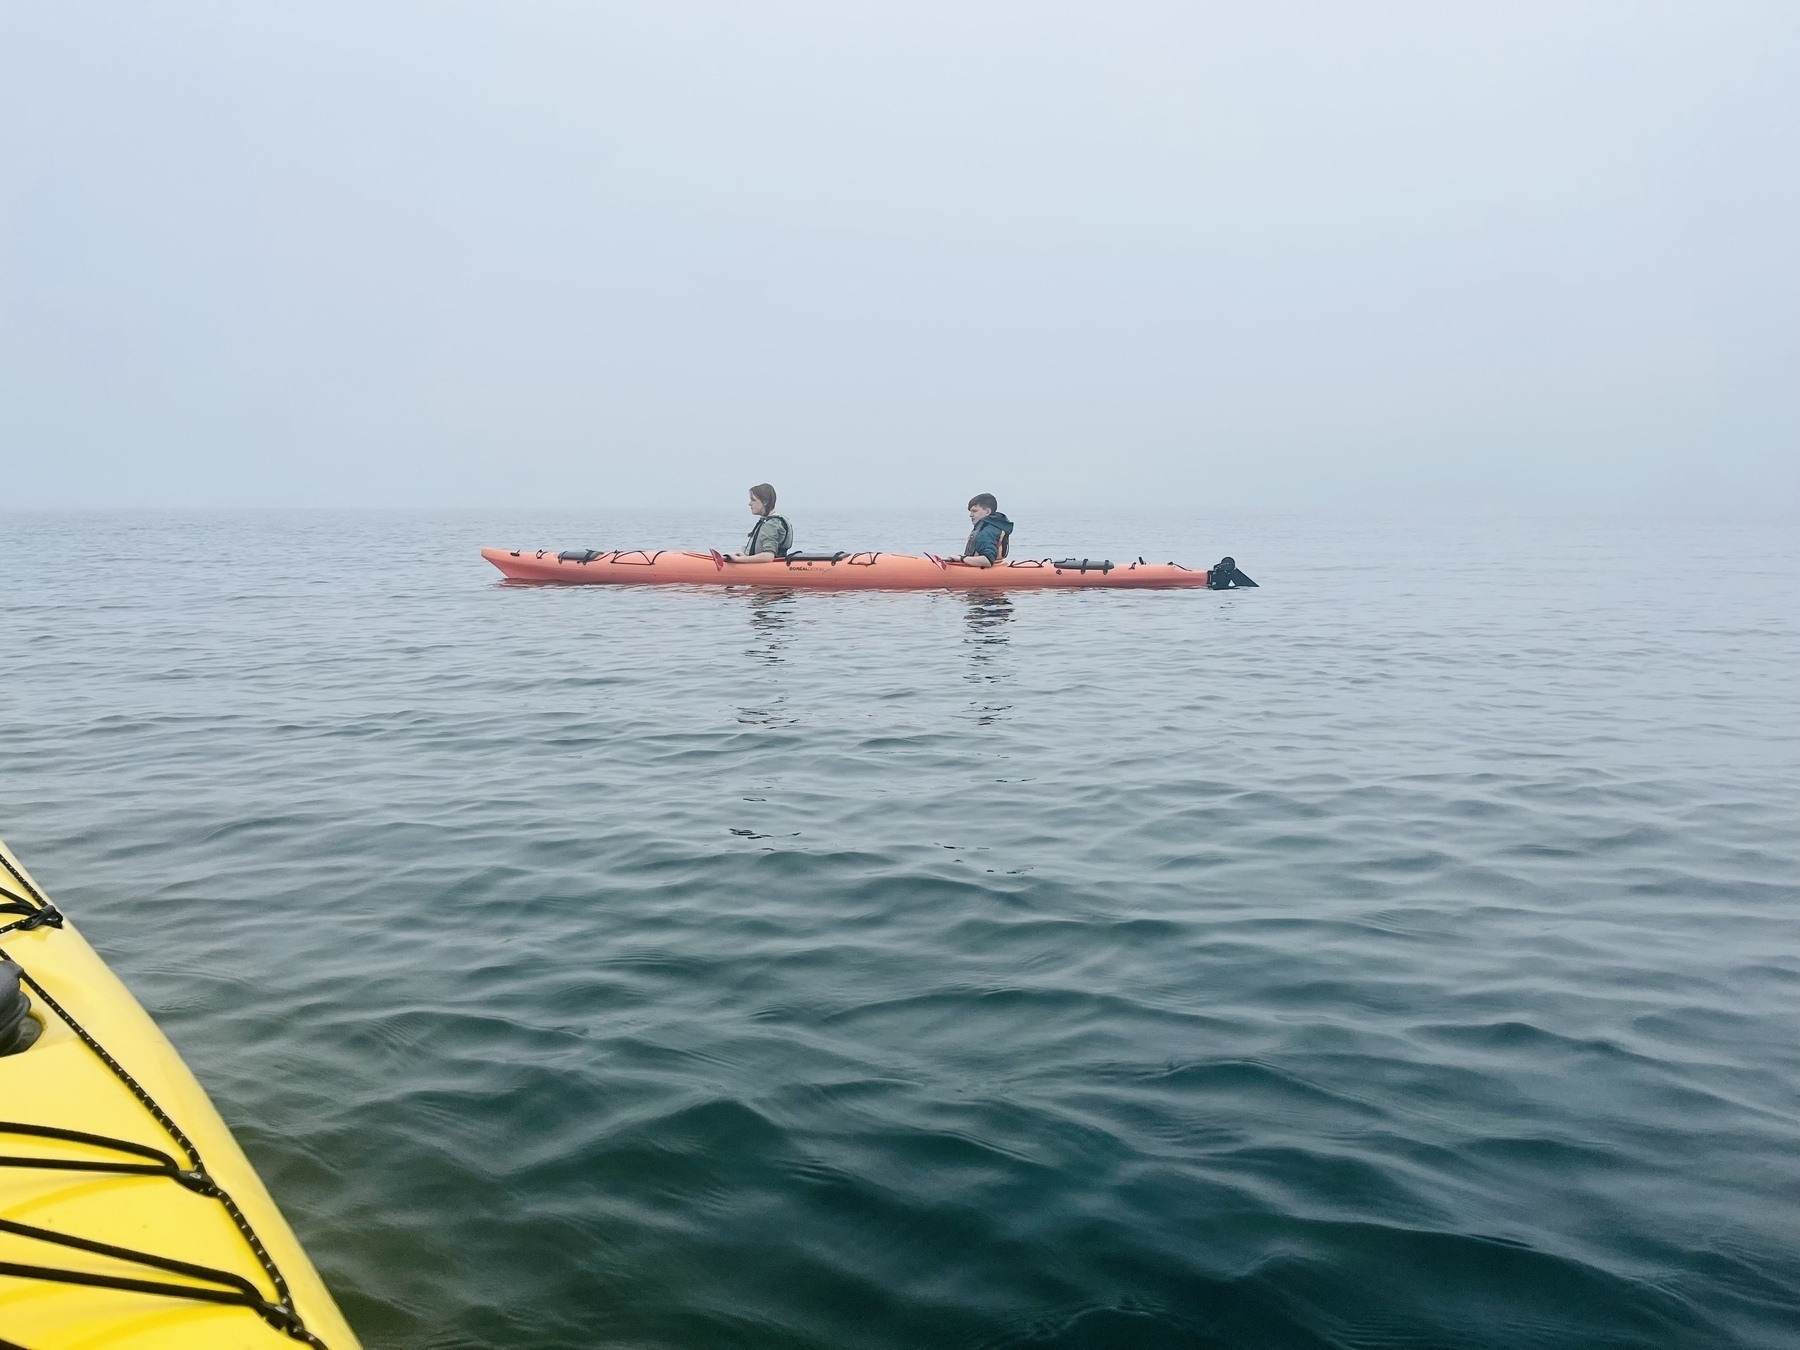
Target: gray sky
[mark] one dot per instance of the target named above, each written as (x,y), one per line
(540,254)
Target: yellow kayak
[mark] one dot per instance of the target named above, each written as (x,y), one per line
(129,1217)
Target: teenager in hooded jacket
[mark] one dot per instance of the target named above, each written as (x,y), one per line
(992,534)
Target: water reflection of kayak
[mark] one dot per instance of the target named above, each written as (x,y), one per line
(842,571)
(129,1217)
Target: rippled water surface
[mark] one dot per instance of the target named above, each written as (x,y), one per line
(1406,953)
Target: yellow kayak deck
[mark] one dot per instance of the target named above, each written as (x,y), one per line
(129,1217)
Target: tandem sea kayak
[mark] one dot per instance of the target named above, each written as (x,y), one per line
(129,1216)
(851,571)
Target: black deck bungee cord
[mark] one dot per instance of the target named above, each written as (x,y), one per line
(281,1314)
(38,912)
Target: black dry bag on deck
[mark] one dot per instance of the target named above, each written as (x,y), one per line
(18,1028)
(1224,576)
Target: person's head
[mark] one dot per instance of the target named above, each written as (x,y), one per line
(982,505)
(762,499)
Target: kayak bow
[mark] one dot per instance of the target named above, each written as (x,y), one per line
(129,1216)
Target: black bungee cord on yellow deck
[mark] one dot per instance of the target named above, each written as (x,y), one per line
(221,1286)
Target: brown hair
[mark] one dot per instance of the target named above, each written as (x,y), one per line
(766,495)
(984,499)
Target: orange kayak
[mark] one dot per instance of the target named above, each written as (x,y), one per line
(832,571)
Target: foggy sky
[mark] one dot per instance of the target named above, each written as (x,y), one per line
(540,254)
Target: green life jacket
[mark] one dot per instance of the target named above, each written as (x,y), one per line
(994,528)
(783,547)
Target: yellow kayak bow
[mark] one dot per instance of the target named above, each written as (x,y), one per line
(129,1217)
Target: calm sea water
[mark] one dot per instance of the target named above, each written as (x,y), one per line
(1406,953)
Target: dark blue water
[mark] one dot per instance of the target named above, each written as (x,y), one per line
(1406,953)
